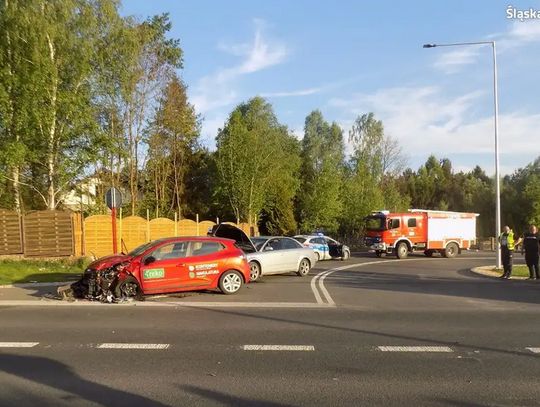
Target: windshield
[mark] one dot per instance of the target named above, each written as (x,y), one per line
(300,239)
(141,249)
(258,242)
(375,223)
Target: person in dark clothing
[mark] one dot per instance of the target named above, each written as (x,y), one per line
(506,240)
(531,248)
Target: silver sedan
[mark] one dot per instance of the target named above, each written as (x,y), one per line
(270,254)
(278,254)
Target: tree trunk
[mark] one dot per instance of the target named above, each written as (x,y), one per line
(10,128)
(51,164)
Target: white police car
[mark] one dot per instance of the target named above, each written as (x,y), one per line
(325,247)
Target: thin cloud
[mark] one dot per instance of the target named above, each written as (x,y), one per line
(301,92)
(519,34)
(218,89)
(214,93)
(426,122)
(452,61)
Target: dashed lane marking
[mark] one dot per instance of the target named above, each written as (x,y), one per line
(18,344)
(305,348)
(133,346)
(534,350)
(415,349)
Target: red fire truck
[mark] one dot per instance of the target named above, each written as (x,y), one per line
(419,229)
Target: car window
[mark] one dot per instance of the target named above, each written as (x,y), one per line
(330,241)
(319,240)
(300,239)
(258,242)
(199,248)
(175,250)
(394,223)
(411,222)
(275,244)
(290,244)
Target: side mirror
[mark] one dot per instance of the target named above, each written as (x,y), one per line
(268,248)
(148,260)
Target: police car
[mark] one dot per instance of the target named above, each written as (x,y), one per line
(325,247)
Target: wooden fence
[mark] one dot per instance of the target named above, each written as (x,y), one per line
(64,233)
(135,230)
(11,238)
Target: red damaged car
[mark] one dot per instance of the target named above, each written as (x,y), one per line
(165,266)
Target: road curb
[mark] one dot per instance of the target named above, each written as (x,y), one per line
(488,272)
(30,285)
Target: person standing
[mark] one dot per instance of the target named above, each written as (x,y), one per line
(506,240)
(531,247)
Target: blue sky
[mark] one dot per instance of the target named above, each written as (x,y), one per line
(352,57)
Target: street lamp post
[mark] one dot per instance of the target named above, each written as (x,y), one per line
(496,118)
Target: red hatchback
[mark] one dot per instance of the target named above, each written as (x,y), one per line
(165,266)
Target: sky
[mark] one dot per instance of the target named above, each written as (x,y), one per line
(347,58)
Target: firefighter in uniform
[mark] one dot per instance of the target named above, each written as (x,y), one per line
(531,247)
(506,240)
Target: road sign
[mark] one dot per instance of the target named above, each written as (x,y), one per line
(113,198)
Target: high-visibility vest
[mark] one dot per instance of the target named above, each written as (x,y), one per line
(509,239)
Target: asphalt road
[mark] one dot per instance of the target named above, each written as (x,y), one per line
(380,332)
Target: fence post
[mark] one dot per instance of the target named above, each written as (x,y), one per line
(175,224)
(198,233)
(217,220)
(121,228)
(148,225)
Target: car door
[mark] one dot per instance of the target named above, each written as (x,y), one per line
(292,251)
(334,248)
(203,263)
(272,256)
(321,248)
(162,269)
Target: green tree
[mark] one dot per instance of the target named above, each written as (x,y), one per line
(319,198)
(171,143)
(371,182)
(251,156)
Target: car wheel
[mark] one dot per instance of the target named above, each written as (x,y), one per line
(304,268)
(230,282)
(452,250)
(378,253)
(402,250)
(128,288)
(254,271)
(346,255)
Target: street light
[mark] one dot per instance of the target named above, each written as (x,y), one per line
(496,106)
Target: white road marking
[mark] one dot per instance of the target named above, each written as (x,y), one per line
(325,273)
(414,349)
(133,346)
(18,344)
(324,291)
(534,350)
(305,348)
(314,289)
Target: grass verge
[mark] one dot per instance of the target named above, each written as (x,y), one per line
(517,271)
(40,271)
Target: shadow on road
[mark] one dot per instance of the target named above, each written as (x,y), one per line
(228,400)
(59,376)
(486,288)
